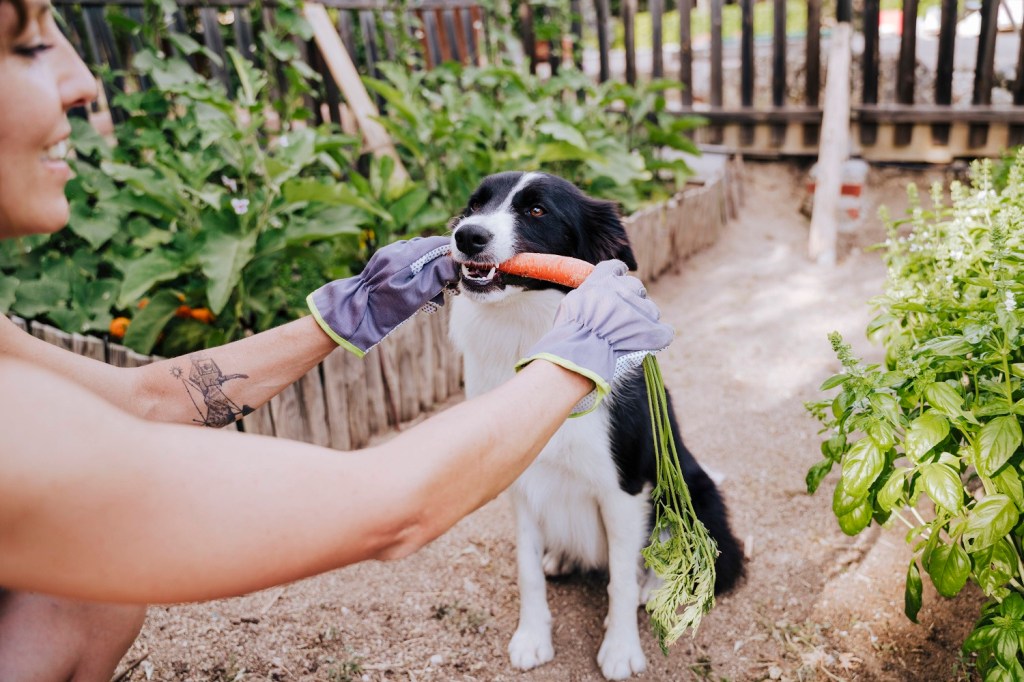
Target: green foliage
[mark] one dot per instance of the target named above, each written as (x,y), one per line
(932,437)
(228,201)
(454,125)
(189,207)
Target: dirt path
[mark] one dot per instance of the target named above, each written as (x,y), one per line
(752,316)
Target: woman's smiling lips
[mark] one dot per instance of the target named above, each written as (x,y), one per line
(54,159)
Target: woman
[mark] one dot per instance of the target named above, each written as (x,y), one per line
(106,493)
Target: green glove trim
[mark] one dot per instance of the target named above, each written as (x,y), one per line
(330,332)
(601,387)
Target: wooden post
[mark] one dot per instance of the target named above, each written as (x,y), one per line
(658,49)
(984,72)
(686,52)
(345,74)
(747,67)
(835,142)
(869,94)
(602,7)
(944,66)
(906,70)
(779,68)
(629,8)
(812,88)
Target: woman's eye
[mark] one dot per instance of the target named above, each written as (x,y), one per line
(536,212)
(31,50)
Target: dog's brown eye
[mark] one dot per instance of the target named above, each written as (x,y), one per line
(474,207)
(536,212)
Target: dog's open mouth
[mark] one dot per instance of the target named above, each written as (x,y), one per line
(480,275)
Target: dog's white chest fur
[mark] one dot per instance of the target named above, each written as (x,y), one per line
(570,510)
(561,489)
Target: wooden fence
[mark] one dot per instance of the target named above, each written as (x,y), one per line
(900,114)
(346,401)
(761,98)
(434,31)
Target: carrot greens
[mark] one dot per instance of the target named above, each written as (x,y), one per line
(682,552)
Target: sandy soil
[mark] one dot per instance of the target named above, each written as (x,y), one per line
(752,314)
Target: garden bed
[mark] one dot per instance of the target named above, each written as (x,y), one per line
(346,401)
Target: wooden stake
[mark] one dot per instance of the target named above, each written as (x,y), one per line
(347,77)
(834,148)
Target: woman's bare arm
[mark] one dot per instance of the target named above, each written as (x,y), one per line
(212,387)
(98,504)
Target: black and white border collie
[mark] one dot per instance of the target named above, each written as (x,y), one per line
(584,504)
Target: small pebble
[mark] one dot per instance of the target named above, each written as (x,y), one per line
(436,659)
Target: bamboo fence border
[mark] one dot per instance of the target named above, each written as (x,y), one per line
(346,401)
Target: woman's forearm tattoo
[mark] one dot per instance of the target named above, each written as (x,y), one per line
(205,382)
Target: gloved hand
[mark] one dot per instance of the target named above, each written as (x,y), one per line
(398,281)
(602,330)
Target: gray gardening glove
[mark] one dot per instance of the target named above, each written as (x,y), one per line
(602,330)
(398,281)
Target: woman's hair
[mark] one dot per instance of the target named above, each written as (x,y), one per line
(21,11)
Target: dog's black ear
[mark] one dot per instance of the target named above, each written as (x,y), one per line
(603,235)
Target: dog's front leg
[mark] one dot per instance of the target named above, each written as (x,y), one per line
(531,643)
(621,654)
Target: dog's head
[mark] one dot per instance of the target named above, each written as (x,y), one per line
(518,212)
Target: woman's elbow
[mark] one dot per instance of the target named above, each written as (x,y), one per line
(408,532)
(405,541)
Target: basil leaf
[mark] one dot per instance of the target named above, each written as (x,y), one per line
(856,520)
(949,566)
(817,473)
(997,442)
(991,520)
(943,485)
(924,433)
(912,592)
(892,490)
(862,466)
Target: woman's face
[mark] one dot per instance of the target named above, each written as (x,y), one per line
(41,77)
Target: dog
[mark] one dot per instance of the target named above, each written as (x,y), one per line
(585,503)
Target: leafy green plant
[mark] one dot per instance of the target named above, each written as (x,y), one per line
(206,201)
(215,212)
(454,125)
(931,439)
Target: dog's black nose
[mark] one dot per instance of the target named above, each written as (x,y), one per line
(472,239)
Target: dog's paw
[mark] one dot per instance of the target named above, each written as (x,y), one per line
(621,657)
(530,648)
(556,565)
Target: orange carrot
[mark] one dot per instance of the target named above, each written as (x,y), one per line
(549,267)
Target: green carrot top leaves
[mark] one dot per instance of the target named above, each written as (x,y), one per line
(682,552)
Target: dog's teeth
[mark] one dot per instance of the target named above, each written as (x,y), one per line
(472,273)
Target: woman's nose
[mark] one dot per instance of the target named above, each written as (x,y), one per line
(77,84)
